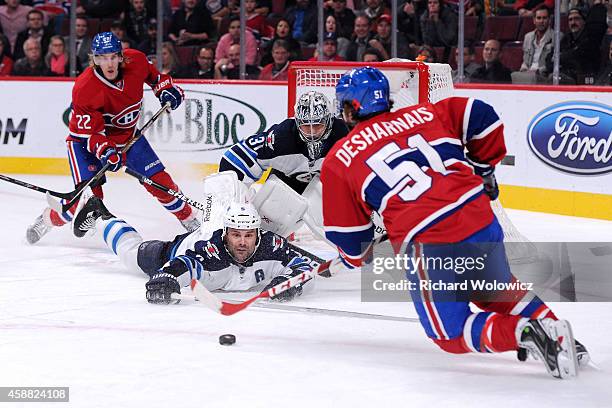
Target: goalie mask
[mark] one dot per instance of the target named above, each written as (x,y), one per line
(241,231)
(314,121)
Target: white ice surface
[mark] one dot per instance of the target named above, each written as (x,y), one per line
(71,316)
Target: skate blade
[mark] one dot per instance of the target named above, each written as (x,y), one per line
(566,359)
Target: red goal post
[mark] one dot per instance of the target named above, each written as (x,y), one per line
(410,82)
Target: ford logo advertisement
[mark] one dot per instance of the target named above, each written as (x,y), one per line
(575,137)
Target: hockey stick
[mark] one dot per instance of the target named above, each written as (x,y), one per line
(227,308)
(35,187)
(334,312)
(73,196)
(161,187)
(313,310)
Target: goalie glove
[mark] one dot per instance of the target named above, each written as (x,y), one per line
(287,295)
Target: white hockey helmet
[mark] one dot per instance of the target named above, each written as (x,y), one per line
(241,216)
(312,108)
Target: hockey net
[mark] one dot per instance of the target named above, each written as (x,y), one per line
(410,82)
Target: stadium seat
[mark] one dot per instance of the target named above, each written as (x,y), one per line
(471,29)
(512,55)
(502,28)
(478,56)
(278,7)
(526,26)
(105,24)
(440,54)
(186,54)
(308,52)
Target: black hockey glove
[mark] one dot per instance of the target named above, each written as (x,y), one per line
(487,172)
(490,186)
(160,288)
(287,295)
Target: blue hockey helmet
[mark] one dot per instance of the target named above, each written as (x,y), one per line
(365,89)
(105,43)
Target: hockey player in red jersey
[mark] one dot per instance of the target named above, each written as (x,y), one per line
(422,169)
(106,104)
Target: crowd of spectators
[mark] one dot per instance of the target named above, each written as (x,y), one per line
(505,40)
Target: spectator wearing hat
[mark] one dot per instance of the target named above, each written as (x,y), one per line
(579,53)
(149,45)
(374,9)
(382,40)
(277,70)
(439,25)
(191,24)
(330,49)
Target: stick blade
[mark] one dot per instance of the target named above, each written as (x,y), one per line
(203,295)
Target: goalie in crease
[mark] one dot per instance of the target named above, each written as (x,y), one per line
(294,149)
(237,257)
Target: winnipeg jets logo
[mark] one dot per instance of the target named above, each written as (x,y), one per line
(277,243)
(211,250)
(125,119)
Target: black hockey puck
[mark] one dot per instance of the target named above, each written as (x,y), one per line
(227,339)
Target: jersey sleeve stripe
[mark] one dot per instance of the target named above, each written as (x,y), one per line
(356,228)
(238,164)
(238,150)
(466,119)
(248,150)
(487,131)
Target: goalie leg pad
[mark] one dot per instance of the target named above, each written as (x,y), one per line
(280,207)
(220,189)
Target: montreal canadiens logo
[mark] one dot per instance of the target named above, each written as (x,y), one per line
(127,118)
(575,137)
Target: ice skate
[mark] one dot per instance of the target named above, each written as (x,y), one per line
(37,230)
(90,208)
(553,343)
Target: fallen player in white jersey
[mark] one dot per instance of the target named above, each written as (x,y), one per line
(238,257)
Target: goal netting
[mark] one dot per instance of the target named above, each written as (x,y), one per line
(411,82)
